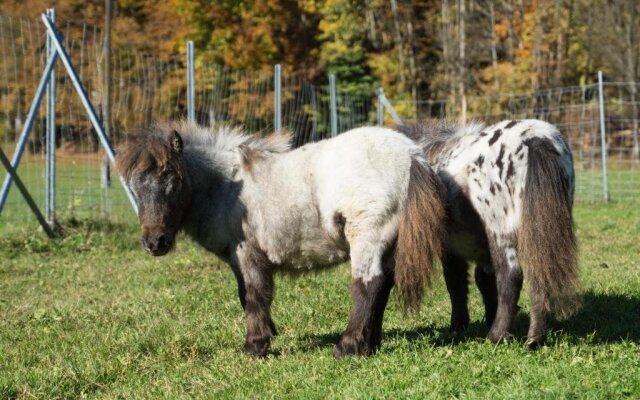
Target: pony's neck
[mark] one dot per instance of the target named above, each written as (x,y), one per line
(211,173)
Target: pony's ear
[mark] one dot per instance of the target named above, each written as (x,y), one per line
(176,142)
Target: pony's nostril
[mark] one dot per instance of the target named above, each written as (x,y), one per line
(161,242)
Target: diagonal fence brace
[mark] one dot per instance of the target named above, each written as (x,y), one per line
(25,193)
(104,140)
(28,126)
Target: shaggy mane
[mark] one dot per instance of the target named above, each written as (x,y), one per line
(434,135)
(150,148)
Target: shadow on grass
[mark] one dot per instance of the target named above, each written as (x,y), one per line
(603,318)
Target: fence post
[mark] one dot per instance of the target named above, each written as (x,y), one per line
(191,92)
(603,138)
(333,104)
(50,143)
(382,100)
(84,99)
(277,97)
(26,129)
(379,94)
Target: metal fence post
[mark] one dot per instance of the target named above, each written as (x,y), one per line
(277,98)
(382,100)
(26,129)
(379,94)
(333,104)
(191,74)
(84,99)
(50,144)
(603,138)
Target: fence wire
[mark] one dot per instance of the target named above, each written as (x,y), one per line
(575,111)
(146,88)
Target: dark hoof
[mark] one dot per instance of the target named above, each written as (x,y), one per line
(257,346)
(504,337)
(534,343)
(459,324)
(348,346)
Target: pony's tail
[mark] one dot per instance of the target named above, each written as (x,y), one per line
(547,243)
(420,235)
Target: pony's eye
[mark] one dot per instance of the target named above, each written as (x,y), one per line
(172,186)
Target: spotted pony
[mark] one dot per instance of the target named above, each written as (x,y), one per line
(509,196)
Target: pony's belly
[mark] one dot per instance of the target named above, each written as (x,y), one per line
(312,253)
(469,246)
(306,260)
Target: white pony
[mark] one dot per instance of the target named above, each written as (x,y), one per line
(364,195)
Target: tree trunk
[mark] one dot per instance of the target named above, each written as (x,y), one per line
(397,38)
(494,52)
(412,67)
(462,61)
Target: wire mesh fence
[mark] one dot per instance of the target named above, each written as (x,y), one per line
(147,87)
(575,111)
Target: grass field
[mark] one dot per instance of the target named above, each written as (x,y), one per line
(91,315)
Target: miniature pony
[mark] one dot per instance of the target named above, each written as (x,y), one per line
(367,195)
(509,195)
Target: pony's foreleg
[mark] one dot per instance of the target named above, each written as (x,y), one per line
(486,282)
(370,290)
(257,279)
(509,283)
(457,280)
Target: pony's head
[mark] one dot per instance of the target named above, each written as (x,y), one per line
(153,167)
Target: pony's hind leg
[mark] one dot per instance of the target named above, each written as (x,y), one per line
(371,284)
(456,277)
(258,295)
(537,319)
(509,283)
(486,282)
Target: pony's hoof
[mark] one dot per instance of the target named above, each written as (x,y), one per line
(459,325)
(498,338)
(534,343)
(348,347)
(257,346)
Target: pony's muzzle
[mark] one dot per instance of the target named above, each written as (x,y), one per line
(157,243)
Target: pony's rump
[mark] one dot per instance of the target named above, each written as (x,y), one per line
(420,234)
(547,243)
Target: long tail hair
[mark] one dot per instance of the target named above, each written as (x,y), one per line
(547,243)
(420,235)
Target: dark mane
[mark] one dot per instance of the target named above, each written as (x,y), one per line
(148,149)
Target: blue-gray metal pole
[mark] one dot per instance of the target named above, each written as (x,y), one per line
(603,138)
(333,104)
(50,202)
(106,144)
(277,97)
(25,193)
(191,84)
(379,94)
(26,129)
(387,105)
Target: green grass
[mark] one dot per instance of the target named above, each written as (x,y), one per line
(91,315)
